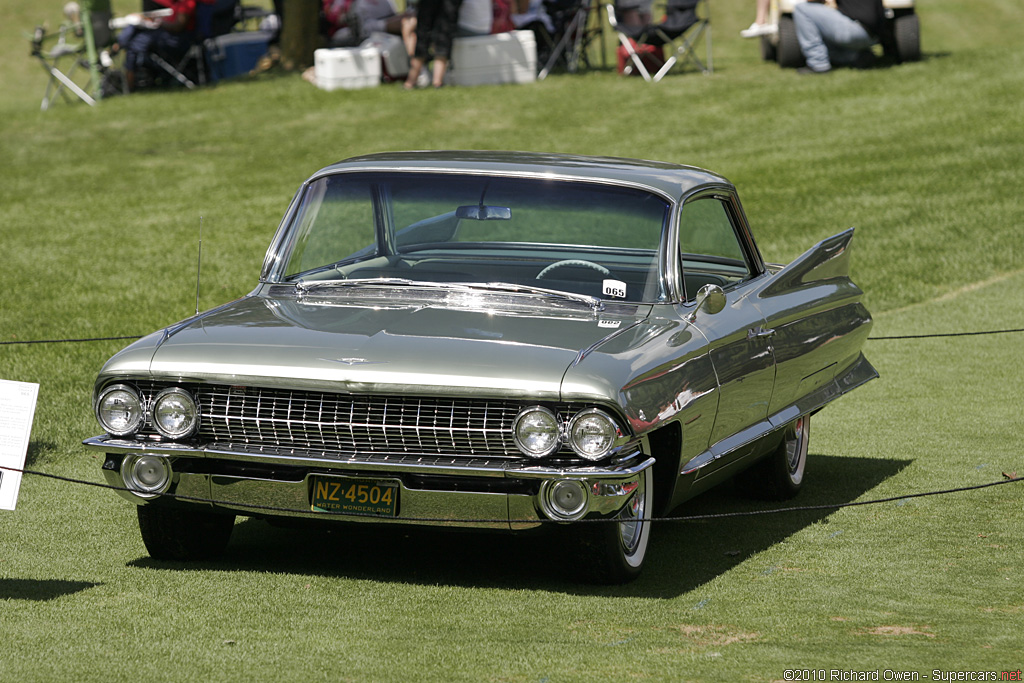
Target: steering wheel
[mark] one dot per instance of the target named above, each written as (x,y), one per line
(574,262)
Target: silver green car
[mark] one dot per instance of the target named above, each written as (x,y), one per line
(488,340)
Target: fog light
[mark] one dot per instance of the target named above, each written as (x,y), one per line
(564,500)
(146,475)
(174,413)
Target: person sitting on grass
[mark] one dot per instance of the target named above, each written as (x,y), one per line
(838,32)
(168,36)
(347,23)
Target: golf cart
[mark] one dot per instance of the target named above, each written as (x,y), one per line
(782,47)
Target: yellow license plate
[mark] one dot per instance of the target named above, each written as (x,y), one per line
(354,496)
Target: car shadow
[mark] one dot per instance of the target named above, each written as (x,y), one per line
(41,590)
(683,554)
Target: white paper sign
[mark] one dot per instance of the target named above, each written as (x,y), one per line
(614,288)
(17,410)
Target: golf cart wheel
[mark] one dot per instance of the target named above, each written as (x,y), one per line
(767,49)
(788,50)
(907,32)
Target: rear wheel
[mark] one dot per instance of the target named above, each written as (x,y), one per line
(788,50)
(614,552)
(780,475)
(181,535)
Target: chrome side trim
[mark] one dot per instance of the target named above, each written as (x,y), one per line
(580,472)
(860,372)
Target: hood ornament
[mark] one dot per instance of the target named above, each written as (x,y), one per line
(352,361)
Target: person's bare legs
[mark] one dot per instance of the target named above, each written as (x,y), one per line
(761,25)
(415,66)
(409,34)
(762,11)
(440,66)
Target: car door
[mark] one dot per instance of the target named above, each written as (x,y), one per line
(715,249)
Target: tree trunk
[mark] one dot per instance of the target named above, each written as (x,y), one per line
(300,33)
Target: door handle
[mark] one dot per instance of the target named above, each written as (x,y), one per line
(759,333)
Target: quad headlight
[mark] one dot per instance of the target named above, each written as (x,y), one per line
(538,432)
(592,434)
(119,410)
(174,413)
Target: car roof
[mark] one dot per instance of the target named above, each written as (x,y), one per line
(674,180)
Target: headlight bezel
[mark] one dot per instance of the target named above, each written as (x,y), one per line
(191,409)
(133,425)
(556,431)
(593,416)
(565,425)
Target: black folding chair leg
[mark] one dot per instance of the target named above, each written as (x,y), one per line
(171,71)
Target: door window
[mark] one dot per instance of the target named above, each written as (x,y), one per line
(709,245)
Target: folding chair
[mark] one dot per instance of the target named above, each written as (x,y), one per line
(686,21)
(76,49)
(574,31)
(213,18)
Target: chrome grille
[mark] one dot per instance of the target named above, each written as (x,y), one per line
(344,425)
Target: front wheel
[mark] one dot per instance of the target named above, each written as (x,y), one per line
(183,535)
(788,51)
(907,34)
(780,475)
(614,552)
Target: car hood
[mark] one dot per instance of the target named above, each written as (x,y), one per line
(411,347)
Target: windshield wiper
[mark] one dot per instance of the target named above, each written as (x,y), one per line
(591,301)
(302,286)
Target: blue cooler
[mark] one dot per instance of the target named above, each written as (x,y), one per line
(236,54)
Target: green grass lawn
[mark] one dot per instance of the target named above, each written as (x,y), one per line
(100,211)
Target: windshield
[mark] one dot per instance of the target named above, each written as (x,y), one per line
(408,228)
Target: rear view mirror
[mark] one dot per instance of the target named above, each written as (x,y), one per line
(484,213)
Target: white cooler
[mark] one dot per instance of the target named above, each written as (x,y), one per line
(347,67)
(392,53)
(499,58)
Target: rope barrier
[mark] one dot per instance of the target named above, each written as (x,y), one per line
(1008,479)
(945,334)
(69,341)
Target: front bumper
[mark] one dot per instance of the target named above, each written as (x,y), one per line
(437,491)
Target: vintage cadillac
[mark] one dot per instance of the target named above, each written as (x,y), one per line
(483,339)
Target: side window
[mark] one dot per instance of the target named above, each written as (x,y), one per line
(335,224)
(709,246)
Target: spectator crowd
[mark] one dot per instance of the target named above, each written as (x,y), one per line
(830,32)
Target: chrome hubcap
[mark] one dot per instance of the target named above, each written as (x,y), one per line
(794,448)
(630,528)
